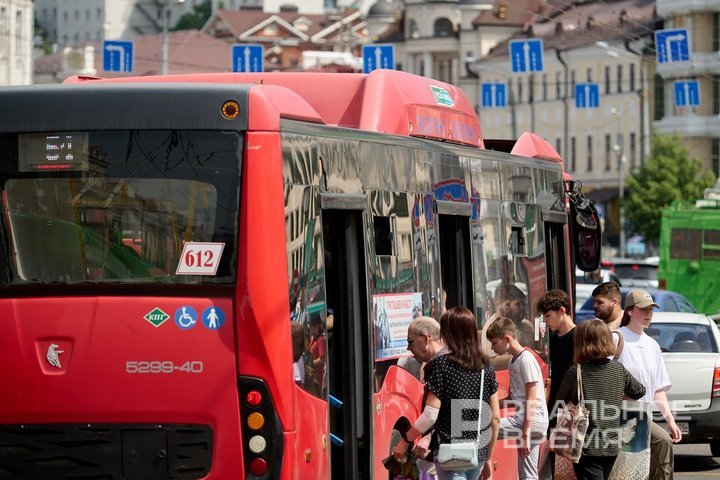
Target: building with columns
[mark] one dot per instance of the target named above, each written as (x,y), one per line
(16,41)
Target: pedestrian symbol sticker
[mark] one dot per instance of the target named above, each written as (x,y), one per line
(213,318)
(156,317)
(186,317)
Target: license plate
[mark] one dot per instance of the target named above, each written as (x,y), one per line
(683,426)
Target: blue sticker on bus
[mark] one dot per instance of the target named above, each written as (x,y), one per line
(186,317)
(213,318)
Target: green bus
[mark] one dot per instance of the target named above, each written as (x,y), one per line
(690,250)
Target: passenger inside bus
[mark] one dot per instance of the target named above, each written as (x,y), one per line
(499,362)
(434,305)
(516,308)
(297,332)
(509,301)
(318,351)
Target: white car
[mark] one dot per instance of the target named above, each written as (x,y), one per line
(689,342)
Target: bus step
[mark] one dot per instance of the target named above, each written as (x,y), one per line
(335,402)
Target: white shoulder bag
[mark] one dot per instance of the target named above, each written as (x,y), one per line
(454,457)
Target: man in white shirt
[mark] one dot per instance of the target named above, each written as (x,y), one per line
(424,343)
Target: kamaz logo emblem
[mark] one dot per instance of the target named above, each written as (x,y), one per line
(156,317)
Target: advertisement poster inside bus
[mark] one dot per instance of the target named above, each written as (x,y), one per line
(392,314)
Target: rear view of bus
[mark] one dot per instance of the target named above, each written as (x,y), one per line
(119,251)
(161,237)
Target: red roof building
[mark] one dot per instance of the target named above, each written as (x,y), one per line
(189,51)
(286,35)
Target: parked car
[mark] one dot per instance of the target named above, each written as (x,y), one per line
(655,260)
(636,273)
(597,277)
(583,291)
(669,302)
(689,343)
(585,283)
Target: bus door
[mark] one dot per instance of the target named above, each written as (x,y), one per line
(455,257)
(348,356)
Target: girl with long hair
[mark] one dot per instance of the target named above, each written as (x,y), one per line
(604,383)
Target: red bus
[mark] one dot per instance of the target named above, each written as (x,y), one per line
(162,236)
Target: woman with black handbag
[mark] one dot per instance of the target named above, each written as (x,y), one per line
(604,383)
(459,385)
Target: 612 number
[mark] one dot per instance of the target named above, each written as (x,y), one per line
(194,258)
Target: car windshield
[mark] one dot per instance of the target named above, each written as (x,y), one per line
(683,337)
(637,271)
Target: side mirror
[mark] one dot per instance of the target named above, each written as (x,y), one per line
(585,229)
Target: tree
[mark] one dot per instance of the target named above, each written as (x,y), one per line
(41,38)
(668,174)
(200,14)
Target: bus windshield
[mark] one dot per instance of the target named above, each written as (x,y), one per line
(119,206)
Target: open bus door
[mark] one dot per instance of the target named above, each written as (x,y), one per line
(349,379)
(455,256)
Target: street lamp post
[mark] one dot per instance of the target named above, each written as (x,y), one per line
(618,149)
(165,26)
(621,198)
(566,87)
(164,59)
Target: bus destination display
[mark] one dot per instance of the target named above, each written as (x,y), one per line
(53,152)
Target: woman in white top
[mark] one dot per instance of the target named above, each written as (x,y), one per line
(641,357)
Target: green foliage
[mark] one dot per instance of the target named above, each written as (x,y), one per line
(39,32)
(196,19)
(668,174)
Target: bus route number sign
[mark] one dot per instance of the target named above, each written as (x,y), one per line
(200,258)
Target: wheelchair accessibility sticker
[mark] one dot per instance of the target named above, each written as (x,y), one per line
(186,317)
(213,318)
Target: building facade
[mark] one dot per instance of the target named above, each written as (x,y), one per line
(78,21)
(699,126)
(16,40)
(605,42)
